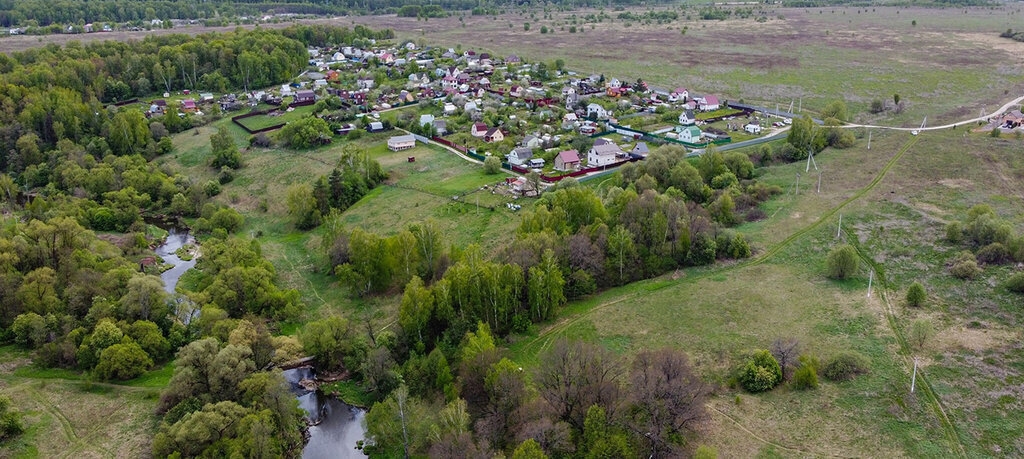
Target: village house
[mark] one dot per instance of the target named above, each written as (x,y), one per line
(679,95)
(640,149)
(493,135)
(319,83)
(690,134)
(595,111)
(375,126)
(158,106)
(567,161)
(686,118)
(188,106)
(478,130)
(531,141)
(449,109)
(426,119)
(401,142)
(604,153)
(753,127)
(519,156)
(365,83)
(708,103)
(469,107)
(304,96)
(440,127)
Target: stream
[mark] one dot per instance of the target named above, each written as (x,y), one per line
(335,426)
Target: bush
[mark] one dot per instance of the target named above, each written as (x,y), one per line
(123,361)
(845,366)
(955,232)
(806,377)
(920,332)
(492,165)
(994,254)
(211,188)
(916,295)
(761,373)
(1015,283)
(260,140)
(842,262)
(965,267)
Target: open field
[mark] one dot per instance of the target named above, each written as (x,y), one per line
(895,210)
(950,65)
(75,418)
(414,192)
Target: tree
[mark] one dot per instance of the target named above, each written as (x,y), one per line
(398,426)
(667,398)
(123,361)
(30,330)
(529,449)
(545,287)
(416,309)
(145,298)
(333,343)
(305,132)
(573,376)
(916,295)
(302,206)
(10,420)
(761,373)
(225,152)
(877,106)
(785,352)
(896,99)
(37,292)
(805,377)
(129,132)
(920,332)
(836,109)
(842,262)
(492,165)
(621,251)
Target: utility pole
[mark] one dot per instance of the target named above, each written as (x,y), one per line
(871,277)
(869,139)
(913,379)
(819,181)
(797,183)
(839,230)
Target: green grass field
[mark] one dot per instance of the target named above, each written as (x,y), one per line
(265,121)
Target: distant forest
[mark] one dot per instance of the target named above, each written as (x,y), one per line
(46,12)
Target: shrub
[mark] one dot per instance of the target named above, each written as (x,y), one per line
(260,140)
(492,165)
(761,373)
(955,232)
(805,377)
(705,452)
(916,295)
(842,262)
(1015,283)
(845,366)
(920,332)
(226,175)
(211,188)
(123,361)
(994,254)
(967,269)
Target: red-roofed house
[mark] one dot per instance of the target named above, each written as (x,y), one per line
(188,106)
(478,130)
(568,160)
(708,103)
(680,94)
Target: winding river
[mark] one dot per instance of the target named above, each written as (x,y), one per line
(336,426)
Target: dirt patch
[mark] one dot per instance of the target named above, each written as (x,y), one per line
(974,339)
(956,183)
(1015,49)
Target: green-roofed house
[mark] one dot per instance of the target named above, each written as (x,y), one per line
(690,134)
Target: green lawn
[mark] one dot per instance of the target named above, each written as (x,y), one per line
(264,121)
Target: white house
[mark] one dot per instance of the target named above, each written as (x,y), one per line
(596,111)
(319,83)
(365,83)
(531,141)
(449,109)
(401,142)
(470,107)
(679,95)
(690,134)
(519,156)
(426,119)
(604,153)
(478,129)
(686,118)
(708,103)
(752,127)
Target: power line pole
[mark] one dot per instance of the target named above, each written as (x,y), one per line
(869,139)
(797,183)
(839,230)
(819,181)
(871,277)
(913,379)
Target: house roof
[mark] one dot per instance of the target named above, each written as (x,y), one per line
(491,132)
(606,149)
(479,126)
(641,147)
(689,113)
(522,153)
(680,90)
(188,103)
(304,93)
(694,131)
(569,156)
(402,139)
(710,100)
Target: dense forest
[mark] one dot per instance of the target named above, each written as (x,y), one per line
(43,13)
(78,283)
